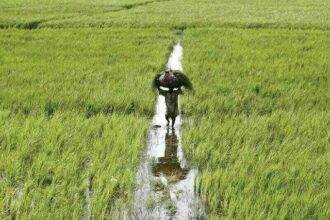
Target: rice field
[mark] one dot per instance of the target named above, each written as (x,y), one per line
(301,14)
(76,103)
(266,152)
(46,164)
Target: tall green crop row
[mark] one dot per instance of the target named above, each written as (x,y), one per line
(306,14)
(75,105)
(261,96)
(75,101)
(86,70)
(44,161)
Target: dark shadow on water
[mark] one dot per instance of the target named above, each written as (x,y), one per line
(165,180)
(169,165)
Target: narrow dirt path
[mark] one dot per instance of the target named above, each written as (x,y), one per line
(165,181)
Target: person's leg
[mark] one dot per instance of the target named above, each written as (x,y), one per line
(173,121)
(167,119)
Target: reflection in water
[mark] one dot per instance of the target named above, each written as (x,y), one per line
(165,182)
(169,165)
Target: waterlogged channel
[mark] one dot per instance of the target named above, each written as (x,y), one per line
(165,181)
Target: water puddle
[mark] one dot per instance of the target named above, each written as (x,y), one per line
(165,181)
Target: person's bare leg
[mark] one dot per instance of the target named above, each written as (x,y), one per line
(173,122)
(167,119)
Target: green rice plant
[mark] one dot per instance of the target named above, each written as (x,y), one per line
(74,115)
(43,162)
(85,70)
(163,13)
(76,100)
(30,14)
(261,98)
(238,71)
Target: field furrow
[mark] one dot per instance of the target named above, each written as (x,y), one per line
(76,102)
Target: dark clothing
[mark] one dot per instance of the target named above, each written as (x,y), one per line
(169,84)
(172,79)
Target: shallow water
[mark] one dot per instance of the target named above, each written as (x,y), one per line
(175,60)
(165,181)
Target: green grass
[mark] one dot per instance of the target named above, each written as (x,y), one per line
(266,152)
(75,103)
(176,13)
(46,161)
(86,70)
(238,71)
(29,14)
